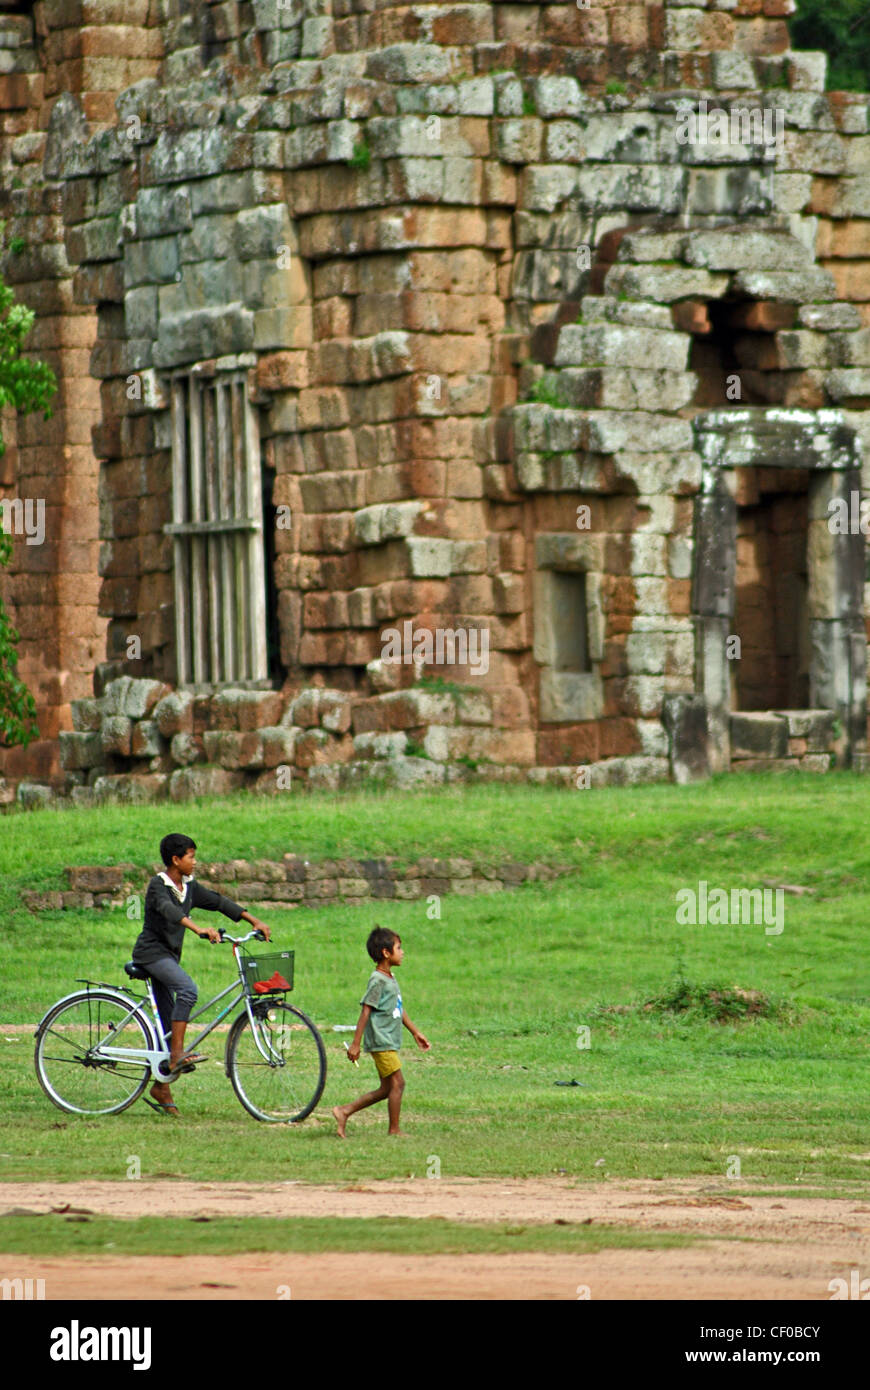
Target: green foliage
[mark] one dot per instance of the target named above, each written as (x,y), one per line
(361,157)
(415,750)
(439,686)
(614,87)
(529,108)
(840,28)
(25,386)
(719,1003)
(546,392)
(17,707)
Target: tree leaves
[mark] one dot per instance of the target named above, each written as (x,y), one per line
(840,28)
(25,385)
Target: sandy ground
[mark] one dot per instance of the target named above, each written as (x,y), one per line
(793,1246)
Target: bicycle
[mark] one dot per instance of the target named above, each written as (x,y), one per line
(275,1058)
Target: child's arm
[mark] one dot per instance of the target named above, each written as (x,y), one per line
(216,902)
(260,926)
(420,1040)
(354,1050)
(210,932)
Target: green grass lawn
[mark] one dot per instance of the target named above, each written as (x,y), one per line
(500,984)
(226,1235)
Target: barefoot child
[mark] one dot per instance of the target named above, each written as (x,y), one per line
(169,898)
(382,1020)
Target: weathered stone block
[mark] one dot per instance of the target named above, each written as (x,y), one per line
(759,735)
(279,746)
(233,750)
(385,521)
(664,284)
(186,749)
(609,344)
(133,698)
(814,726)
(190,782)
(792,287)
(685,719)
(629,772)
(146,741)
(743,248)
(115,734)
(86,715)
(174,713)
(206,333)
(246,709)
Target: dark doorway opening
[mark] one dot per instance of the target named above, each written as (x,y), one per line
(771,610)
(270,528)
(733,350)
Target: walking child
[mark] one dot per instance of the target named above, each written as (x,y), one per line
(379,1030)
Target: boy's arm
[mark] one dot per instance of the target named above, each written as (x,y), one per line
(354,1050)
(216,902)
(261,926)
(418,1037)
(210,932)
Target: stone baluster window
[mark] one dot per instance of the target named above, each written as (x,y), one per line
(217,526)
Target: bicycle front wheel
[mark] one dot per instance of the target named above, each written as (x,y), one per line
(69,1066)
(279,1073)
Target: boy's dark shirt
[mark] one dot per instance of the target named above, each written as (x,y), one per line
(162,933)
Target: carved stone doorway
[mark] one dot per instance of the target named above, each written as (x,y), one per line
(833,639)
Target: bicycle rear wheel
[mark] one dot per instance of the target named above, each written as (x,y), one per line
(285,1084)
(72,1074)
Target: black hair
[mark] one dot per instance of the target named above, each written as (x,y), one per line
(381,939)
(177,845)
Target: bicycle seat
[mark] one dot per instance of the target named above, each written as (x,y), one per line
(136,972)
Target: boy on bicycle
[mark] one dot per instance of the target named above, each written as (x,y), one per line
(382,1018)
(169,899)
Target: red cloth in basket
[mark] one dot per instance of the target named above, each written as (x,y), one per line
(276,982)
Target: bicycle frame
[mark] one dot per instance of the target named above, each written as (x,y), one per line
(157,1056)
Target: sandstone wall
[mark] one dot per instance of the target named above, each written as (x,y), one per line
(470,268)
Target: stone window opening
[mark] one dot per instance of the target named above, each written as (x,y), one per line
(569,621)
(569,627)
(217,531)
(732,346)
(771,615)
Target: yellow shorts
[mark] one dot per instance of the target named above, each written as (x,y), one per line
(386,1063)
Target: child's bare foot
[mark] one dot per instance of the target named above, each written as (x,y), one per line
(340,1119)
(396,1133)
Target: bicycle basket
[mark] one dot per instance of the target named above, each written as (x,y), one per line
(260,970)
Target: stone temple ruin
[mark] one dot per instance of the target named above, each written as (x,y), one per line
(445,391)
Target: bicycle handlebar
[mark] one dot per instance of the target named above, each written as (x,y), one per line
(237,940)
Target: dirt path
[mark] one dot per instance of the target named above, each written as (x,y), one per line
(792,1247)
